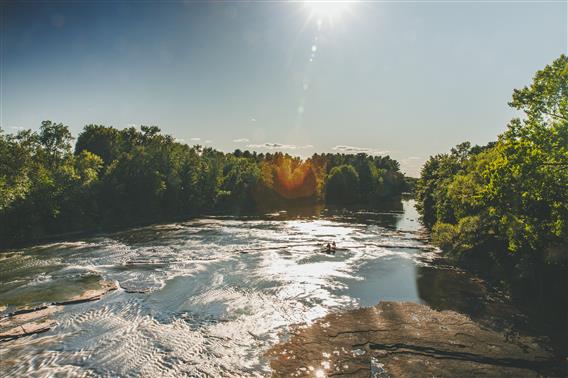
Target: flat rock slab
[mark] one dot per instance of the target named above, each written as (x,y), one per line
(402,339)
(25,317)
(27,323)
(28,329)
(91,295)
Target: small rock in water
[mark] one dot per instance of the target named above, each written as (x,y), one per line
(133,290)
(91,295)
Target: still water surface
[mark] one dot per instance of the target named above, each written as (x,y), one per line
(209,296)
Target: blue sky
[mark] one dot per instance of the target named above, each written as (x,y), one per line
(409,79)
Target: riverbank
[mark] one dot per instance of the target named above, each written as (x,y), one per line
(461,313)
(539,291)
(403,339)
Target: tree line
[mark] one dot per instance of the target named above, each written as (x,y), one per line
(113,177)
(507,202)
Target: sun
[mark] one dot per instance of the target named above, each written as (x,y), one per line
(326,11)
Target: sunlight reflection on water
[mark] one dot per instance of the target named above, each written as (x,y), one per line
(216,292)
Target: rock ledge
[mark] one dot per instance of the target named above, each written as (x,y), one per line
(396,339)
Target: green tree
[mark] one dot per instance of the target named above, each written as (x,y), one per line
(100,140)
(140,175)
(239,177)
(55,139)
(528,179)
(514,191)
(342,185)
(15,169)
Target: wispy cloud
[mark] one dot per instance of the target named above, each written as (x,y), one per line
(195,139)
(411,165)
(208,141)
(356,150)
(279,146)
(241,140)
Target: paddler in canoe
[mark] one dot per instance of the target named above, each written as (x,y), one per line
(330,248)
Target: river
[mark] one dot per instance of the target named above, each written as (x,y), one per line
(210,295)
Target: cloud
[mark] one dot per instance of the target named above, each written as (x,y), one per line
(253,119)
(17,128)
(241,140)
(357,150)
(195,139)
(208,141)
(279,146)
(411,165)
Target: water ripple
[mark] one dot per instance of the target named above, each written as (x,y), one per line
(208,296)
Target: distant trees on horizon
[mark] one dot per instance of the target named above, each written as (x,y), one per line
(115,177)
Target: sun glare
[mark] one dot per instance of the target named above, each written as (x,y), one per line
(326,11)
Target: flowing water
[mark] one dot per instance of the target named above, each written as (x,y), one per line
(209,296)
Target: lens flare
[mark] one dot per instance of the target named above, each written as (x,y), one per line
(326,11)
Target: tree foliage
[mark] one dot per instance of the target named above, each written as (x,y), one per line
(120,177)
(342,182)
(514,191)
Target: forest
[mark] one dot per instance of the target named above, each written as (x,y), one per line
(506,203)
(113,178)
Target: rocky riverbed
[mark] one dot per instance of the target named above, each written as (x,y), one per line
(404,339)
(227,296)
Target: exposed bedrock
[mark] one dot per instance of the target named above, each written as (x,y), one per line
(403,339)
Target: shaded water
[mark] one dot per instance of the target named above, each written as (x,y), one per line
(211,295)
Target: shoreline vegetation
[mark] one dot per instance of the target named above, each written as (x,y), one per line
(501,209)
(116,178)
